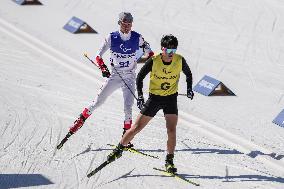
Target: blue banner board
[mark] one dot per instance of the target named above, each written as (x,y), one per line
(28,2)
(209,86)
(74,24)
(279,120)
(20,2)
(206,85)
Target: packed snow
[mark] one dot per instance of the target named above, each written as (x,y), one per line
(222,141)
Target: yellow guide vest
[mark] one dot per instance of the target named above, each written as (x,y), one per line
(164,78)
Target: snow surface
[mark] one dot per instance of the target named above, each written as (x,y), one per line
(224,142)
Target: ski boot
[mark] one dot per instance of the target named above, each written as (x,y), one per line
(116,153)
(170,167)
(77,125)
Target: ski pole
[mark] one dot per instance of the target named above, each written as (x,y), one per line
(182,94)
(124,81)
(126,84)
(85,54)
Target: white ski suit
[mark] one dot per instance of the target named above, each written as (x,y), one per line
(125,50)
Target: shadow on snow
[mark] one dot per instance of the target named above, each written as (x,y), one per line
(239,178)
(252,154)
(22,180)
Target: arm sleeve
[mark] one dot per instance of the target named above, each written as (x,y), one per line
(186,70)
(105,46)
(147,67)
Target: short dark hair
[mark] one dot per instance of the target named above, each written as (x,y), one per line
(169,41)
(125,17)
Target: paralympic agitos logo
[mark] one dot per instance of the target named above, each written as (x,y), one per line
(124,49)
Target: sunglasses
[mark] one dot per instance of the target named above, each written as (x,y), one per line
(126,23)
(170,51)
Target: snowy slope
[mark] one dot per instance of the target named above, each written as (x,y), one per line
(223,142)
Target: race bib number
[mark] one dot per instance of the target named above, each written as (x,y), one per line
(124,64)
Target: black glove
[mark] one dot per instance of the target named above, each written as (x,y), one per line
(140,102)
(190,94)
(105,71)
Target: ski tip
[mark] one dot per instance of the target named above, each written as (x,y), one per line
(89,175)
(176,175)
(85,54)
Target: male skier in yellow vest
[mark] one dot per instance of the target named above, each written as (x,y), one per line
(165,71)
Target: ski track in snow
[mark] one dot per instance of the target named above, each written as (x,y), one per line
(236,142)
(46,50)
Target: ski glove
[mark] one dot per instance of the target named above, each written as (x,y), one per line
(190,94)
(150,55)
(103,67)
(140,102)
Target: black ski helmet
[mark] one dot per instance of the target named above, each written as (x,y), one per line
(169,41)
